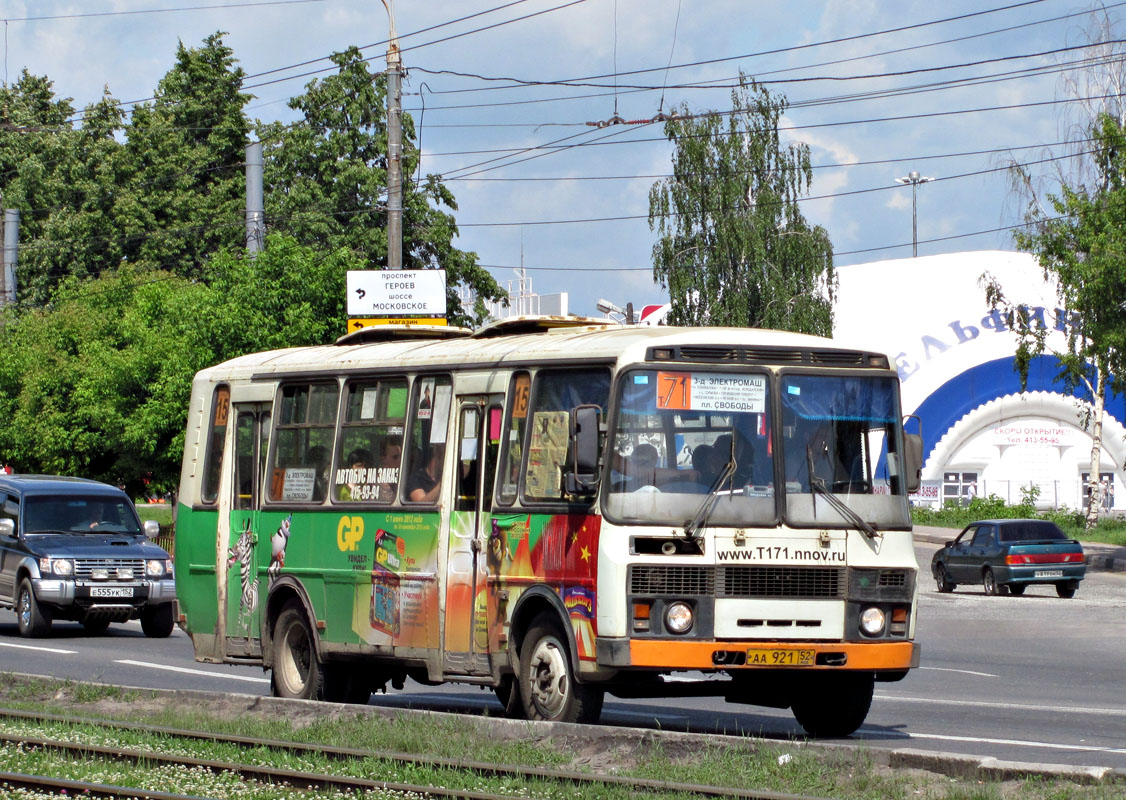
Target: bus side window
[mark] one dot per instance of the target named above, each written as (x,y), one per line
(370,448)
(302,454)
(512,437)
(555,393)
(430,419)
(216,437)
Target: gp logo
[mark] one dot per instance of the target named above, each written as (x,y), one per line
(349,532)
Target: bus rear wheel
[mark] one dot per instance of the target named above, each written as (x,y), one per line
(297,673)
(833,706)
(547,683)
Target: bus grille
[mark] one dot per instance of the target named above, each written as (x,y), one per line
(893,577)
(84,567)
(801,582)
(678,580)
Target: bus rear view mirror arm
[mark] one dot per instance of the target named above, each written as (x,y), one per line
(582,477)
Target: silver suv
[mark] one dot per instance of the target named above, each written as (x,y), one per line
(72,548)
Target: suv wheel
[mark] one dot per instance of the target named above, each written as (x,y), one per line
(157,621)
(32,618)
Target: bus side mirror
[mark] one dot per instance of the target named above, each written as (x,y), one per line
(582,472)
(913,460)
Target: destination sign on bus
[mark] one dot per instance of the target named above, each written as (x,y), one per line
(711,391)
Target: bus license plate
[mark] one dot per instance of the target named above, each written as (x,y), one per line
(1048,573)
(779,658)
(111,591)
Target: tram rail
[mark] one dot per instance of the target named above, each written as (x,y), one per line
(300,779)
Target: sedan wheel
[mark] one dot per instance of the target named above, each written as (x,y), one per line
(989,582)
(943,580)
(1017,588)
(1067,589)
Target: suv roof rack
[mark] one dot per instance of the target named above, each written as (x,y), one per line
(536,323)
(399,333)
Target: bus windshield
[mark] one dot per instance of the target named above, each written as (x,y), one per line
(683,436)
(841,444)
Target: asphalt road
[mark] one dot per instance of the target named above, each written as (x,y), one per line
(1031,679)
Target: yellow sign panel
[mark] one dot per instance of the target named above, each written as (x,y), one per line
(356,323)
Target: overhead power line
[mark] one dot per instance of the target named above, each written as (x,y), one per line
(155,10)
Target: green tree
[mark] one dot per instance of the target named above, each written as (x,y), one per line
(1079,238)
(188,148)
(326,183)
(733,246)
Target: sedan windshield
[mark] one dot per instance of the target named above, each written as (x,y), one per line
(79,514)
(841,451)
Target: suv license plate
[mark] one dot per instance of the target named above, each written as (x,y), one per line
(111,591)
(1048,573)
(774,657)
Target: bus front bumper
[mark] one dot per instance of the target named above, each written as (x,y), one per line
(666,654)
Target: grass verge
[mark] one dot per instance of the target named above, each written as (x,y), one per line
(843,773)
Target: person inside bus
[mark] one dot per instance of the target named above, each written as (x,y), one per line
(318,458)
(425,482)
(389,469)
(359,459)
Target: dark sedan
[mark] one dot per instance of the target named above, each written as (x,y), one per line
(1006,555)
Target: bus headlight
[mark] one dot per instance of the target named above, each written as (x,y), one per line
(678,617)
(872,621)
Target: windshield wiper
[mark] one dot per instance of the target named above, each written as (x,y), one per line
(704,511)
(842,508)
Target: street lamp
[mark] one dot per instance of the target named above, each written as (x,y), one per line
(914,178)
(610,310)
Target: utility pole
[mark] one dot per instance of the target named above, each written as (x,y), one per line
(11,250)
(394,144)
(255,214)
(914,178)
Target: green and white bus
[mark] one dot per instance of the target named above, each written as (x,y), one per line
(556,508)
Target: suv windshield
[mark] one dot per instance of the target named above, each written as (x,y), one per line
(681,435)
(840,437)
(79,514)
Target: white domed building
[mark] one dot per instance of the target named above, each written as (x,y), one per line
(983,434)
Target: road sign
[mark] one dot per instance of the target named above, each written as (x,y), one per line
(376,293)
(355,323)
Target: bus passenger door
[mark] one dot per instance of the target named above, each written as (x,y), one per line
(246,542)
(465,636)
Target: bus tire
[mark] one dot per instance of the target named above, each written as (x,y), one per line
(508,693)
(297,672)
(32,619)
(833,706)
(548,688)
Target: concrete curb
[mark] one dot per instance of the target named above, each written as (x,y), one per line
(954,765)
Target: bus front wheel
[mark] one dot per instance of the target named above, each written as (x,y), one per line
(297,673)
(835,705)
(547,683)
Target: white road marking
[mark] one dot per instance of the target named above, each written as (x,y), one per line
(963,671)
(1107,712)
(187,671)
(40,648)
(1016,742)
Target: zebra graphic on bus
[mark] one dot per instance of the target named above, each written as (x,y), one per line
(242,553)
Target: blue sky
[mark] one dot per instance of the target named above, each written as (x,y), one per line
(578,214)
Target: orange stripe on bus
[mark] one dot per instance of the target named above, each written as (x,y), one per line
(699,655)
